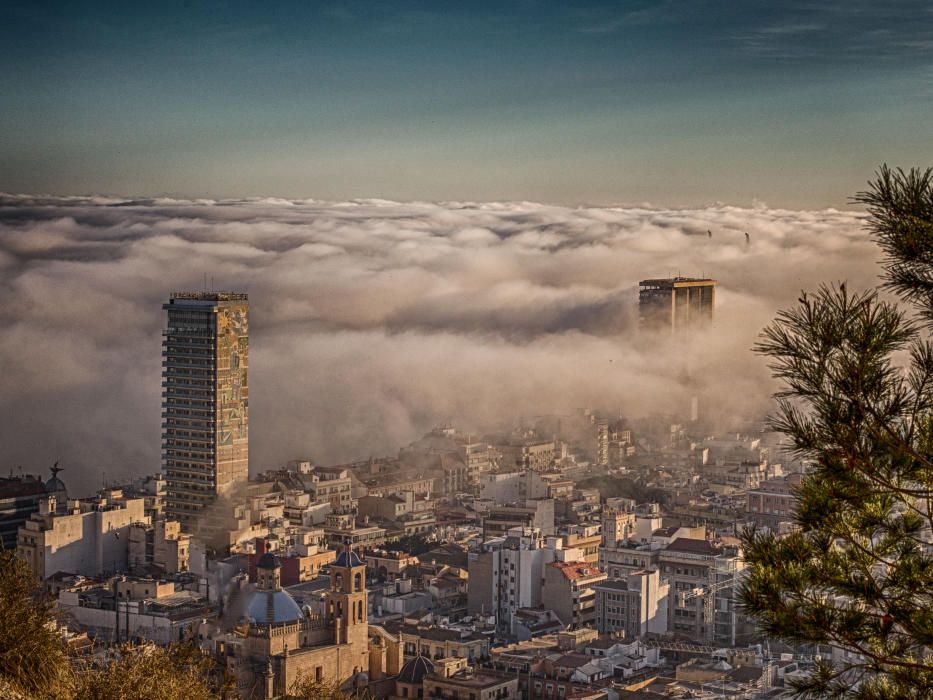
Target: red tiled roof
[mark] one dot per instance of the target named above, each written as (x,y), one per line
(576,569)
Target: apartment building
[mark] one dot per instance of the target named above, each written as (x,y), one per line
(703,579)
(88,537)
(569,591)
(205,400)
(634,606)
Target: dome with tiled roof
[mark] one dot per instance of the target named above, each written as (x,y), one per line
(272,608)
(268,561)
(269,604)
(415,670)
(347,559)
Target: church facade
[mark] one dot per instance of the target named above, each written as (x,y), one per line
(278,643)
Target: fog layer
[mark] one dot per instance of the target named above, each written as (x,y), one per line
(372,321)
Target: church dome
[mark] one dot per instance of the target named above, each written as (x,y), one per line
(268,561)
(415,670)
(55,485)
(272,608)
(348,559)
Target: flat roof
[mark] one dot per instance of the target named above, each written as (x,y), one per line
(209,296)
(474,679)
(614,585)
(679,282)
(684,544)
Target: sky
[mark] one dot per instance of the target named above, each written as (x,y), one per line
(673,103)
(372,321)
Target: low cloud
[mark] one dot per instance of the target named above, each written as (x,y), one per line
(374,320)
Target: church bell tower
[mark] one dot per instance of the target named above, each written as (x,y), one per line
(347,604)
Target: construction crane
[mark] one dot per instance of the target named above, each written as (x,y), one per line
(707,593)
(686,596)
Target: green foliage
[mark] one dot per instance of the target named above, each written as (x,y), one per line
(307,687)
(35,663)
(176,672)
(411,544)
(858,405)
(33,658)
(901,208)
(615,487)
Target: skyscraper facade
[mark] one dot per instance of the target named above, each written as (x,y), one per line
(677,303)
(205,400)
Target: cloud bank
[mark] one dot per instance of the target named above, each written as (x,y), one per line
(372,320)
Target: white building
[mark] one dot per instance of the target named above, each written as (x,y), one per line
(161,544)
(508,573)
(622,658)
(88,537)
(632,537)
(624,522)
(158,611)
(512,487)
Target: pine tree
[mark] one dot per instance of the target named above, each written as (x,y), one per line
(33,657)
(857,404)
(36,664)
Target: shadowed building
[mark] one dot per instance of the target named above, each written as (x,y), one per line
(20,497)
(88,537)
(676,303)
(568,591)
(205,400)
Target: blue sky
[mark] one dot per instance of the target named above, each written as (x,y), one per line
(676,103)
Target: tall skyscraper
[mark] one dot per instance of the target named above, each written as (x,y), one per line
(677,303)
(205,400)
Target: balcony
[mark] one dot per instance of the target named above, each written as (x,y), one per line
(206,363)
(188,333)
(188,413)
(174,400)
(188,380)
(202,432)
(183,451)
(171,461)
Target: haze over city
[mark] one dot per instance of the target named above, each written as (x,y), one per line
(373,321)
(514,350)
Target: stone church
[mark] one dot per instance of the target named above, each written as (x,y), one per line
(278,642)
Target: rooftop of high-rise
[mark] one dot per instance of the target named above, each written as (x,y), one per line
(678,281)
(210,296)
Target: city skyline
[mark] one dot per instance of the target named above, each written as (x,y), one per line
(513,350)
(674,103)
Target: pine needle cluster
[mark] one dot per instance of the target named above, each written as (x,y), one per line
(857,574)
